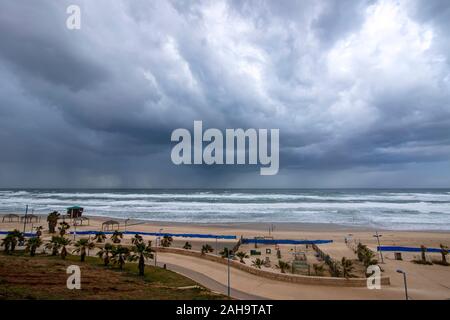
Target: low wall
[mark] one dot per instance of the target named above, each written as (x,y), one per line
(313,280)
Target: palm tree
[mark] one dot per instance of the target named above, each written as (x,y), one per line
(137,239)
(335,269)
(7,242)
(81,246)
(116,236)
(444,253)
(141,252)
(64,242)
(187,246)
(63,227)
(32,245)
(105,253)
(347,267)
(360,251)
(206,248)
(225,252)
(368,258)
(99,237)
(318,269)
(54,245)
(166,241)
(39,231)
(258,263)
(242,255)
(120,255)
(52,220)
(11,240)
(282,265)
(423,250)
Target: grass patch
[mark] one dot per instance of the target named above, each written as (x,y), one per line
(44,277)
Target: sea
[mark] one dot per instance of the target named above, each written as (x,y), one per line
(395,209)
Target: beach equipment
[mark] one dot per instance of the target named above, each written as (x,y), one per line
(10,217)
(284,241)
(109,225)
(74,212)
(80,220)
(407,249)
(159,234)
(25,234)
(30,217)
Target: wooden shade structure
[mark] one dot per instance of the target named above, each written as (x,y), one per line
(109,225)
(10,217)
(30,217)
(80,220)
(74,212)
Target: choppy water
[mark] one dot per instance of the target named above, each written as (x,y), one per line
(407,209)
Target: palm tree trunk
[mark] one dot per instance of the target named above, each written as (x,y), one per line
(141,265)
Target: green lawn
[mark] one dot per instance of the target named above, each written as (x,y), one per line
(44,277)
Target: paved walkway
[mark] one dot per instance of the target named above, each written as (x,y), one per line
(209,283)
(249,286)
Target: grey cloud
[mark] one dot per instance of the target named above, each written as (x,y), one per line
(96,107)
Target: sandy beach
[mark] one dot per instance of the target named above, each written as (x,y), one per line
(424,281)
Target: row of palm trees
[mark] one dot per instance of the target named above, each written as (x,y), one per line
(443,251)
(117,254)
(345,266)
(365,255)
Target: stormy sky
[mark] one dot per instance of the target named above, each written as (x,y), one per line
(360,91)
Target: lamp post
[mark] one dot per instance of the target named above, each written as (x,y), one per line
(216,247)
(157,245)
(376,235)
(404,280)
(25,219)
(230,256)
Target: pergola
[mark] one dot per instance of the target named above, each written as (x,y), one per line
(109,225)
(11,217)
(30,218)
(74,212)
(80,220)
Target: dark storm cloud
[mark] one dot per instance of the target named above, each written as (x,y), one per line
(360,90)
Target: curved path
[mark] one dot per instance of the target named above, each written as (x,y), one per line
(209,283)
(248,286)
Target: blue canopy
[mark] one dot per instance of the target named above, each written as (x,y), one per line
(285,241)
(406,249)
(158,234)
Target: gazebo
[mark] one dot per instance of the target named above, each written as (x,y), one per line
(11,217)
(74,212)
(109,225)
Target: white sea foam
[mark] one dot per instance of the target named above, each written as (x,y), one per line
(424,209)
